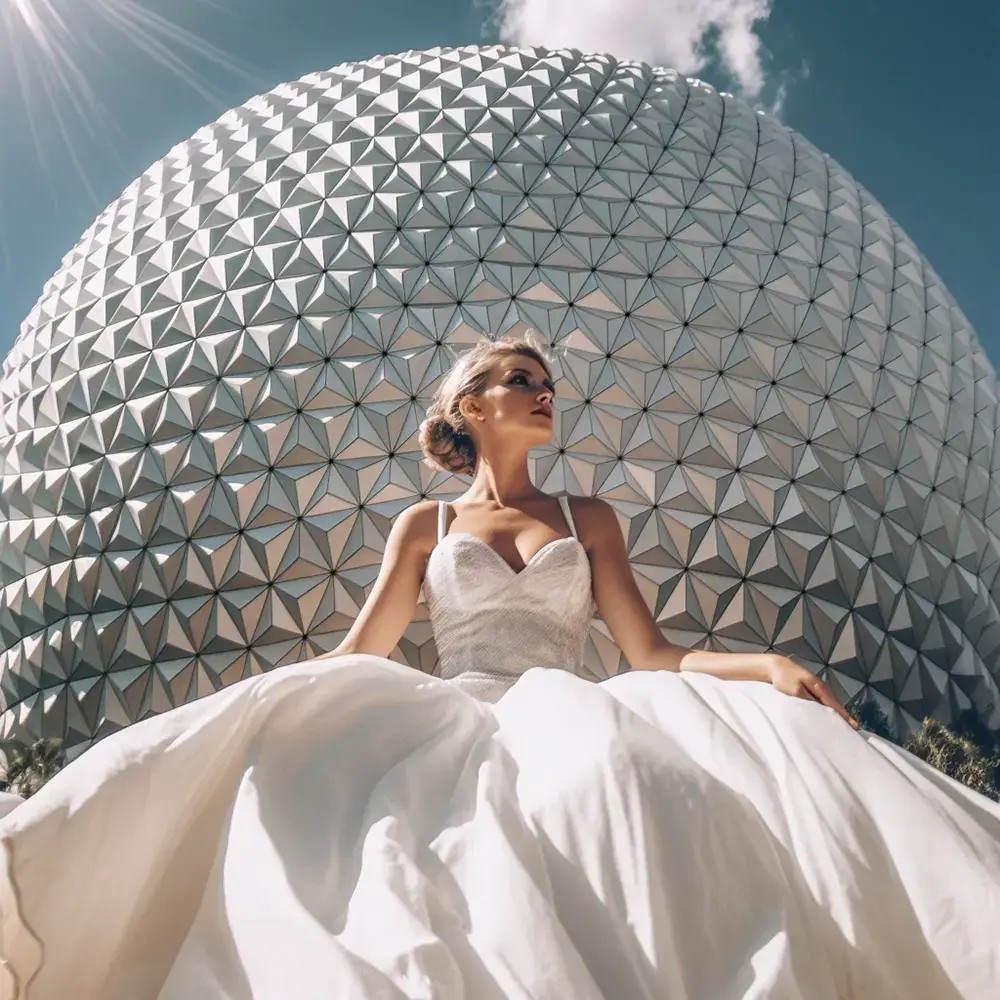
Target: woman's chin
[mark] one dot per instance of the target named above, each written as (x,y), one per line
(535,430)
(541,436)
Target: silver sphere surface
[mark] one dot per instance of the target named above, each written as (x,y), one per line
(209,418)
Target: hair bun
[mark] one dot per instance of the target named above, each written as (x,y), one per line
(445,447)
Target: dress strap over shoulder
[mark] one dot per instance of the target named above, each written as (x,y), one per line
(442,519)
(568,514)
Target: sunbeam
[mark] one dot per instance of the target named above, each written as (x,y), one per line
(46,47)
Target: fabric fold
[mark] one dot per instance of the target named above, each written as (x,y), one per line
(351,827)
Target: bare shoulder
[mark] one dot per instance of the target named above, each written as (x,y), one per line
(593,516)
(416,526)
(591,507)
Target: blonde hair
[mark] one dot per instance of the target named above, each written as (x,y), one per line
(444,437)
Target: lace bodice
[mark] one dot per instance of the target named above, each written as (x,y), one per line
(492,623)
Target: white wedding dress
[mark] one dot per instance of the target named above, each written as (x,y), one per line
(350,827)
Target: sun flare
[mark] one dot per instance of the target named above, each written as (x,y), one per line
(49,49)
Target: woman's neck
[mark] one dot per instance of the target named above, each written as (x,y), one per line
(503,481)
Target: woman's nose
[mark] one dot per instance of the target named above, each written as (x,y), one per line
(546,395)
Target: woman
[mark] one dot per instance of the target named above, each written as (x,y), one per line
(349,827)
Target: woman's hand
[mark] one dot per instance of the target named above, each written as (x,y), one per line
(789,678)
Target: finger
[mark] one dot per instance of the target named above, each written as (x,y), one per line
(824,695)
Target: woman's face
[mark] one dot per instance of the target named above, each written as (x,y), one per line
(517,400)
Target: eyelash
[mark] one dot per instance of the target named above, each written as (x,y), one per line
(551,388)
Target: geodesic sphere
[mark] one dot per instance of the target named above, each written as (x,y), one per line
(210,416)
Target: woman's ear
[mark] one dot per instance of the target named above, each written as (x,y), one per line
(469,407)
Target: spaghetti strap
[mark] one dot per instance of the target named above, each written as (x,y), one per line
(568,514)
(442,519)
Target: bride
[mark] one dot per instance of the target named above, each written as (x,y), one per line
(350,827)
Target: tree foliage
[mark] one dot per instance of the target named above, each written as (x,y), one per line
(30,765)
(874,720)
(970,725)
(967,751)
(957,757)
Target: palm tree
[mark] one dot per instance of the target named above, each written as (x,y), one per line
(30,765)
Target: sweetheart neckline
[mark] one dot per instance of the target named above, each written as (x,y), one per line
(503,562)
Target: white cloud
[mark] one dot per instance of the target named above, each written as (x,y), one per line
(681,34)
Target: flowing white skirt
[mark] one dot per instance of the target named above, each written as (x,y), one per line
(352,828)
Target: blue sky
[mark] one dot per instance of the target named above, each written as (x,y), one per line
(901,92)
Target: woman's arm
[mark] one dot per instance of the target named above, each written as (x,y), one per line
(623,610)
(393,600)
